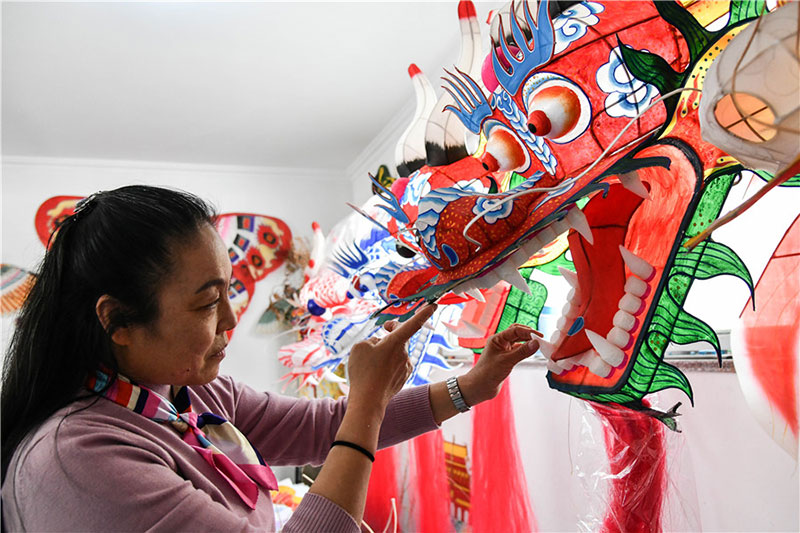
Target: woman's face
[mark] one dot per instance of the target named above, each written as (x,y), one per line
(186,342)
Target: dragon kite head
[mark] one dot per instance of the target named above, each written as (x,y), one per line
(597,104)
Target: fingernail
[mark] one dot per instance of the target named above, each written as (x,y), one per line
(533,344)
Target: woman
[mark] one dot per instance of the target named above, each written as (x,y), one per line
(114,417)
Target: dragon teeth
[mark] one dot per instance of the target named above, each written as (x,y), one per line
(546,235)
(509,273)
(569,311)
(568,363)
(630,304)
(611,354)
(561,323)
(520,257)
(547,349)
(468,285)
(464,329)
(471,288)
(475,293)
(624,320)
(560,226)
(619,337)
(525,252)
(635,286)
(596,365)
(631,181)
(456,352)
(577,220)
(569,275)
(554,368)
(557,336)
(487,280)
(638,266)
(573,296)
(533,246)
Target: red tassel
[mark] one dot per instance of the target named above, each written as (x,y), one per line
(499,493)
(429,483)
(382,488)
(635,443)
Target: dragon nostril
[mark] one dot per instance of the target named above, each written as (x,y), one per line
(503,152)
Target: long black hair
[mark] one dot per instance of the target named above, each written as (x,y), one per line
(117,243)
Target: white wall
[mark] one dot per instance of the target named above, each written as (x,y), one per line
(297,196)
(380,151)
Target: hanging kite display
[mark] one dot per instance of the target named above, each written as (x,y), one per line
(257,244)
(15,283)
(52,213)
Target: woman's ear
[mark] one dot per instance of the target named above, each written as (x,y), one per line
(106,308)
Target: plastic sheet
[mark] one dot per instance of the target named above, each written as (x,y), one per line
(635,472)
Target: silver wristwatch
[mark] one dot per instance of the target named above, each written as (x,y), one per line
(455,394)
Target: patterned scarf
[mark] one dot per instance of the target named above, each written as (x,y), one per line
(217,441)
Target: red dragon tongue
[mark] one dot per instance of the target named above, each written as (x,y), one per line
(600,271)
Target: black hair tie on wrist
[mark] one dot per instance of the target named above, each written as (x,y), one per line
(355,447)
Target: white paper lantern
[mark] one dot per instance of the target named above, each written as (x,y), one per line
(758,72)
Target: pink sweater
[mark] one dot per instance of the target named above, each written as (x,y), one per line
(106,468)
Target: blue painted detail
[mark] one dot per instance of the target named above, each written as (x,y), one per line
(430,207)
(571,25)
(543,42)
(576,326)
(393,207)
(348,258)
(519,120)
(471,104)
(375,235)
(334,331)
(333,363)
(451,254)
(314,308)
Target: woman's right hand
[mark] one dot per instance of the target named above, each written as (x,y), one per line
(378,368)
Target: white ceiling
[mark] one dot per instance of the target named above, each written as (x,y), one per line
(267,84)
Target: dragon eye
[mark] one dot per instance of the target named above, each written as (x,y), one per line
(553,112)
(314,308)
(404,250)
(557,108)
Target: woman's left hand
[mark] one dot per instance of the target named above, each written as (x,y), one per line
(502,352)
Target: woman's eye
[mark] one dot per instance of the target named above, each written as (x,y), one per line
(212,304)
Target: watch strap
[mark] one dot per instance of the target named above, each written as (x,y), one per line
(455,394)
